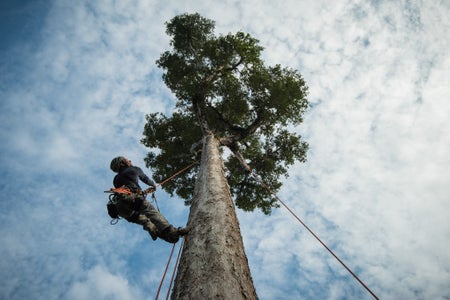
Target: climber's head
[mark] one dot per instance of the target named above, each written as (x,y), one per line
(118,162)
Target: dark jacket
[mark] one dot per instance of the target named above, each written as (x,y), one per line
(130,176)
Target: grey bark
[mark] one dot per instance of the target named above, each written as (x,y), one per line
(213,264)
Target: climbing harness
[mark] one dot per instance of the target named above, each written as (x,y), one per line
(244,165)
(123,190)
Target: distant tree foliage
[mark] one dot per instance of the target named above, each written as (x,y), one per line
(223,87)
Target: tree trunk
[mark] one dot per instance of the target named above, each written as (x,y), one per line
(213,264)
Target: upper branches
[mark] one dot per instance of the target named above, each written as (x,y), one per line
(223,86)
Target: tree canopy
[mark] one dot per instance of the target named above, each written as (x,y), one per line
(223,87)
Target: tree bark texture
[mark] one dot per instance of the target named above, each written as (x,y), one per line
(213,264)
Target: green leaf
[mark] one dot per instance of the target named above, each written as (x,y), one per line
(222,85)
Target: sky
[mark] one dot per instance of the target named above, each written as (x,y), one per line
(78,77)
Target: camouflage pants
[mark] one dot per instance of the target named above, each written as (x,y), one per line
(137,210)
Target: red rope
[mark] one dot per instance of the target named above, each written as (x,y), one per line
(165,272)
(175,268)
(307,227)
(173,247)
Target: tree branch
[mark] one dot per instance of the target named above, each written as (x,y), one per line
(195,146)
(241,59)
(226,122)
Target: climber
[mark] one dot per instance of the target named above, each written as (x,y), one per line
(135,208)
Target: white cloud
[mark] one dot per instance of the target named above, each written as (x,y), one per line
(101,284)
(374,187)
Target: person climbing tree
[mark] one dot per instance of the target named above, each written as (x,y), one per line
(134,207)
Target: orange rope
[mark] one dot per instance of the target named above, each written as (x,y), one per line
(307,227)
(176,174)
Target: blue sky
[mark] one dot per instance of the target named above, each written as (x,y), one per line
(78,77)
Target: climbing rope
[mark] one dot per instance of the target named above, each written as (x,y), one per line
(165,272)
(304,225)
(175,267)
(173,272)
(152,189)
(155,201)
(176,174)
(173,247)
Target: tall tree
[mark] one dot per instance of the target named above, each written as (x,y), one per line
(226,96)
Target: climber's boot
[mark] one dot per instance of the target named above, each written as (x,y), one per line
(170,234)
(182,231)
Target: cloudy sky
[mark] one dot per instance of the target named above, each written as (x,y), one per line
(78,77)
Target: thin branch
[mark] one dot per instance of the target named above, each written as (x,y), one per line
(196,146)
(225,121)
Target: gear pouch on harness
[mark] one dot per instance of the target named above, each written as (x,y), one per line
(111,206)
(123,203)
(112,210)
